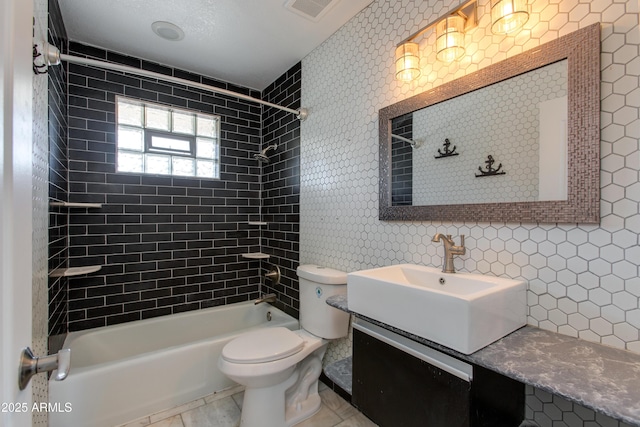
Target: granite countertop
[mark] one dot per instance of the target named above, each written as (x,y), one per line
(602,378)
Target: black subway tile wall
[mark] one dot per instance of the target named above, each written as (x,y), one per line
(58,185)
(165,244)
(281,187)
(402,162)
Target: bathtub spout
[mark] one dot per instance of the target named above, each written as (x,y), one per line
(266,298)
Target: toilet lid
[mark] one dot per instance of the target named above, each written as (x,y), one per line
(263,345)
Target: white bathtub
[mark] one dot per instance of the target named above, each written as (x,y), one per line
(123,372)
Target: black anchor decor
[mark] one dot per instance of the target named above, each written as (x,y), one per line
(447,152)
(490,170)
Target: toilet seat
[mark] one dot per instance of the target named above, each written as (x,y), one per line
(263,345)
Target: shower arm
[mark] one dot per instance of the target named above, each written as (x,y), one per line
(270,147)
(411,142)
(53,57)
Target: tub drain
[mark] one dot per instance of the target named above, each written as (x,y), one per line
(268,316)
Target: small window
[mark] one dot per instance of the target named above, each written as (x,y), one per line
(155,139)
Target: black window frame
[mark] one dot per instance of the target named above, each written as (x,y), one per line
(149,148)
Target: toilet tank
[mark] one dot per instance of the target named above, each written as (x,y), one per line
(316,316)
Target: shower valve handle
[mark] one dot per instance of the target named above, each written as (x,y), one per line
(274,275)
(31,365)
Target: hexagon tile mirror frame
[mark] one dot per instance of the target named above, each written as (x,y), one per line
(582,50)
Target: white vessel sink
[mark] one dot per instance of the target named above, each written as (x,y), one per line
(462,311)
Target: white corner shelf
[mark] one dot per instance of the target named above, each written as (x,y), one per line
(75,205)
(258,223)
(256,255)
(74,271)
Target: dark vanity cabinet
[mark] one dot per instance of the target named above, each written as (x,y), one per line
(398,382)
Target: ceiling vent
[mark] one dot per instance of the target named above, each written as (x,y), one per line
(312,10)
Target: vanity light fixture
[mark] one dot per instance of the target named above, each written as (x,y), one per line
(450,32)
(450,38)
(508,16)
(408,61)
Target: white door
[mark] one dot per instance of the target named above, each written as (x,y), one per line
(15,205)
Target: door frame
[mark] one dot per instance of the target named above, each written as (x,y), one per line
(16,115)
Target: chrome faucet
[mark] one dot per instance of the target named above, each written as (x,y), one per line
(450,249)
(266,298)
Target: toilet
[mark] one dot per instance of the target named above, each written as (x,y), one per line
(279,367)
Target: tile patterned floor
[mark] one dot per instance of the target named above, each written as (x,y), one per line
(223,410)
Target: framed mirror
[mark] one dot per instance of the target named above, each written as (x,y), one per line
(518,141)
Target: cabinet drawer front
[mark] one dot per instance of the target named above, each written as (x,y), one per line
(397,389)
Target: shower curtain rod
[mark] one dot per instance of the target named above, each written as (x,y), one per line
(53,57)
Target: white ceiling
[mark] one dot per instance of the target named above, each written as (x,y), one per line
(246,42)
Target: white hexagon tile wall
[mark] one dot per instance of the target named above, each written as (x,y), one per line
(583,279)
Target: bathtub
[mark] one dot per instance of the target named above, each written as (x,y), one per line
(123,372)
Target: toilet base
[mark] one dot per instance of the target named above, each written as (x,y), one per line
(289,402)
(259,406)
(307,410)
(258,409)
(302,398)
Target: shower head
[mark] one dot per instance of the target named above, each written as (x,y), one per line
(262,156)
